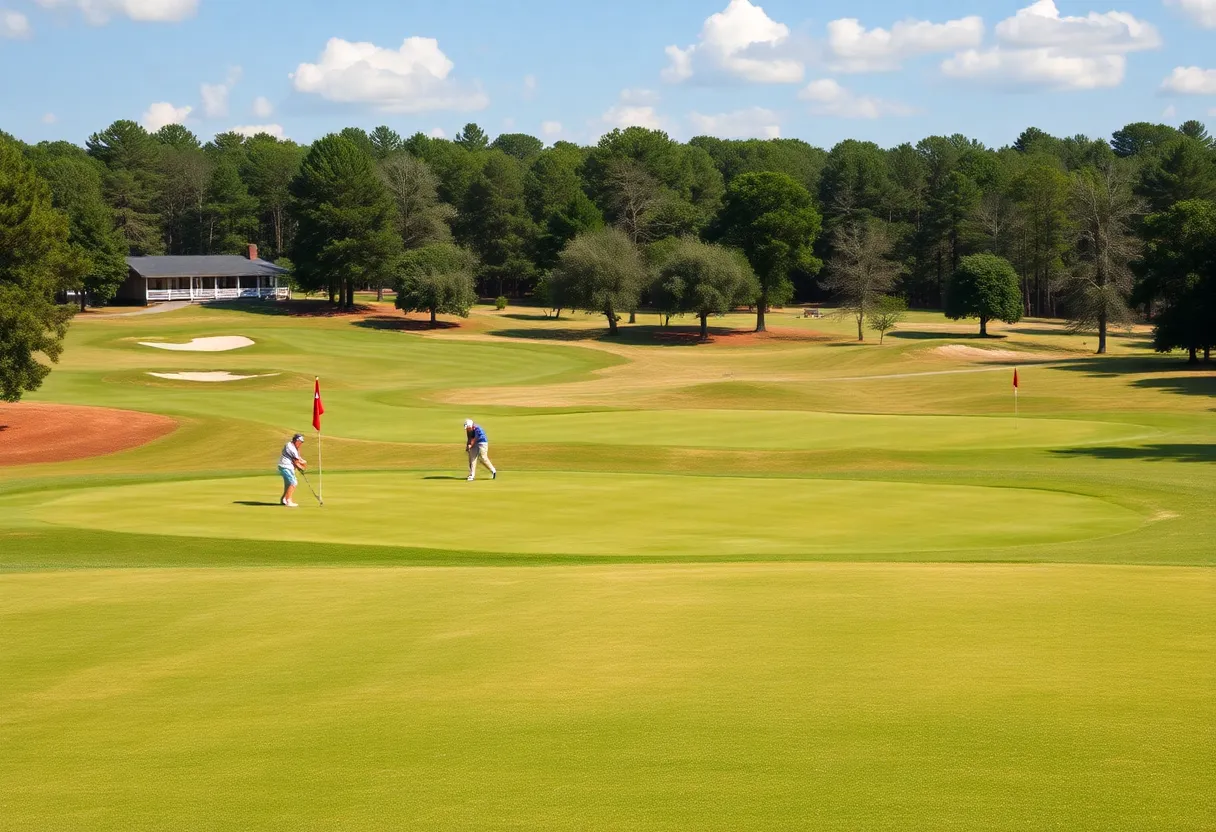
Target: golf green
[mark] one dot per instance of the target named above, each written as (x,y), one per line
(604,514)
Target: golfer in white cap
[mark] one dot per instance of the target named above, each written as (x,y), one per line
(478,447)
(289,462)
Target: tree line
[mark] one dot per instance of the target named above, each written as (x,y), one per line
(1095,231)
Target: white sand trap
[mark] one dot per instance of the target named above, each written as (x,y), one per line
(971,353)
(208,377)
(222,343)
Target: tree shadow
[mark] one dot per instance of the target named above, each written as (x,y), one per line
(395,324)
(519,316)
(290,308)
(1164,372)
(923,335)
(647,335)
(1155,453)
(256,504)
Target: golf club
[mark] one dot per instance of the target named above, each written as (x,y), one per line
(320,502)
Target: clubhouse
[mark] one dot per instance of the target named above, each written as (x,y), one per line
(203,277)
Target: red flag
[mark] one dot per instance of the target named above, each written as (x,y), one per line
(1015,378)
(317,407)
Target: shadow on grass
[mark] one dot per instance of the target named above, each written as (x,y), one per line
(1165,372)
(318,308)
(519,316)
(444,478)
(256,504)
(647,335)
(924,335)
(395,324)
(1156,453)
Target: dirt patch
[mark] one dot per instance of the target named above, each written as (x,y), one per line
(31,433)
(966,353)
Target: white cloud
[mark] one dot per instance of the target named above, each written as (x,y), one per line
(1202,12)
(1044,68)
(529,87)
(275,130)
(1191,80)
(14,25)
(508,124)
(753,123)
(1040,25)
(1170,112)
(740,42)
(549,129)
(854,48)
(635,108)
(98,12)
(412,79)
(1040,48)
(262,108)
(438,133)
(829,98)
(162,113)
(49,118)
(215,96)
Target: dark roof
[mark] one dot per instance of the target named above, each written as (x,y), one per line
(214,265)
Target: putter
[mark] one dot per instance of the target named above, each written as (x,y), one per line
(307,482)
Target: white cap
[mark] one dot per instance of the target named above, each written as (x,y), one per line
(468,423)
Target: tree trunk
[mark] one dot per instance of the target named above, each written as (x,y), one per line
(861,334)
(380,292)
(350,295)
(761,307)
(434,320)
(633,316)
(704,325)
(983,326)
(331,294)
(84,300)
(610,313)
(1194,355)
(1102,334)
(1207,352)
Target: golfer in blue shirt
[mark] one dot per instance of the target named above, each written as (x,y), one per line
(478,447)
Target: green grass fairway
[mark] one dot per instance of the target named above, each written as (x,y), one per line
(785,583)
(801,696)
(650,515)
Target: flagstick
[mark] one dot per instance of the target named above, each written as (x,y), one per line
(1015,398)
(320,473)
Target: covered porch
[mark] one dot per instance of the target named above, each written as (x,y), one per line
(216,288)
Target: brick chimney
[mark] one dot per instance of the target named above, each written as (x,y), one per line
(253,252)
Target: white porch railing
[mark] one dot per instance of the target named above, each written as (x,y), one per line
(280,293)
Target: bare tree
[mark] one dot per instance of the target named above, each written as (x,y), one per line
(422,219)
(1103,208)
(860,271)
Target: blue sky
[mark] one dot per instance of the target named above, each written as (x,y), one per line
(820,70)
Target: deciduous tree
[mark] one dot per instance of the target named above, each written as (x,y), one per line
(437,278)
(705,279)
(984,286)
(601,271)
(771,219)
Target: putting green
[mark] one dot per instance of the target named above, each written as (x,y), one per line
(749,429)
(605,514)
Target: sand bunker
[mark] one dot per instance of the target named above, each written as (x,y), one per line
(32,433)
(222,343)
(222,375)
(976,353)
